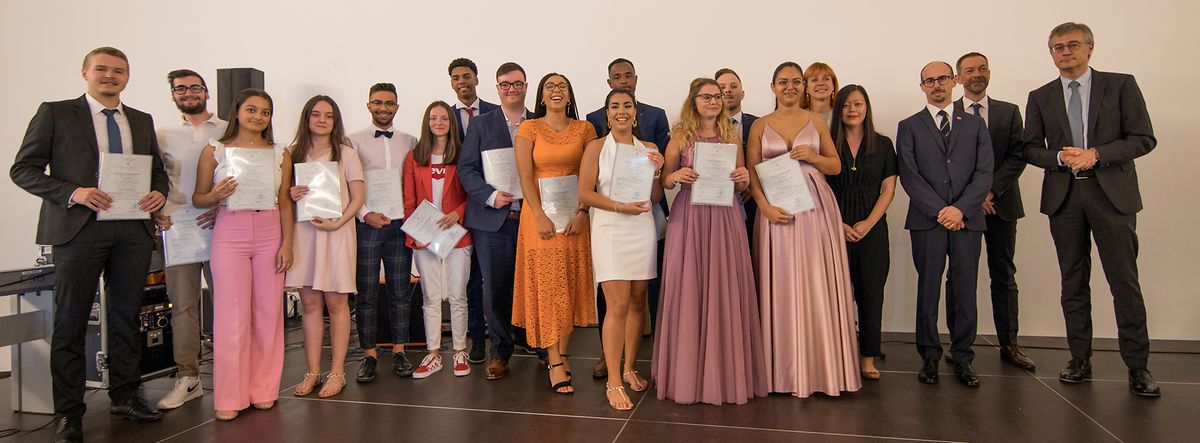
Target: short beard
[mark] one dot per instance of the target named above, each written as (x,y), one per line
(193,110)
(382,123)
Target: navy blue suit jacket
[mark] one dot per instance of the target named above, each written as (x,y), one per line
(484,108)
(747,121)
(488,131)
(936,175)
(652,124)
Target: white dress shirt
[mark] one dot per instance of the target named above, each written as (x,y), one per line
(382,152)
(937,121)
(512,133)
(180,145)
(100,122)
(462,112)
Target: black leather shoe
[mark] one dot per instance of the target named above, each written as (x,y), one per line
(1016,356)
(402,366)
(478,352)
(1142,383)
(966,375)
(69,429)
(366,369)
(929,373)
(1077,371)
(135,409)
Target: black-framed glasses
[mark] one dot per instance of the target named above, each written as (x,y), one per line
(943,80)
(709,98)
(519,85)
(557,87)
(1061,47)
(181,89)
(389,103)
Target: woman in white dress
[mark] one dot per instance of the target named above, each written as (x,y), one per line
(624,241)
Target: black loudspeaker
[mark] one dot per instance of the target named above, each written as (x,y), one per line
(231,81)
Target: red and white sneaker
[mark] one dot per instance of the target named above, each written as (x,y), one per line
(461,368)
(430,364)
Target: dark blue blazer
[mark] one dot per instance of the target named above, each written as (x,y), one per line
(652,124)
(488,131)
(1004,123)
(484,108)
(936,175)
(747,121)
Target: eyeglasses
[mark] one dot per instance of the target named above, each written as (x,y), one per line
(1060,48)
(557,87)
(181,89)
(709,98)
(389,103)
(510,85)
(943,80)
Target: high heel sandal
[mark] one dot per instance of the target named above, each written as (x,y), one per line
(620,389)
(644,384)
(331,377)
(305,388)
(565,357)
(562,384)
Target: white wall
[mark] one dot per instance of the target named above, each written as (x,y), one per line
(341,48)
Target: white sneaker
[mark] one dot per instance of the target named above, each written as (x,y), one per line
(186,388)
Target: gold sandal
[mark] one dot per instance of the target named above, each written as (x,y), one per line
(226,415)
(305,388)
(643,383)
(620,389)
(331,377)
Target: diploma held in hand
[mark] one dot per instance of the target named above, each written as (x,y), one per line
(560,199)
(500,171)
(186,242)
(384,193)
(125,178)
(254,171)
(714,163)
(785,184)
(422,226)
(324,198)
(633,175)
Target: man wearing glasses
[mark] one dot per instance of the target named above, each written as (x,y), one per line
(1085,128)
(493,216)
(181,144)
(946,168)
(382,149)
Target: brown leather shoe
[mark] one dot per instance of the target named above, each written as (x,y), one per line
(601,369)
(1016,356)
(496,369)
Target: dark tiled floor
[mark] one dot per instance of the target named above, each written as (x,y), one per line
(1012,405)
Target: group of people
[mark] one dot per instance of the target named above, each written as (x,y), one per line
(745,298)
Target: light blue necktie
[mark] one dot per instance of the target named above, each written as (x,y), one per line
(1075,115)
(114,132)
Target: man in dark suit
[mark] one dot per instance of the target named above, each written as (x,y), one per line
(731,86)
(493,216)
(1002,205)
(68,137)
(651,126)
(464,78)
(946,168)
(1085,128)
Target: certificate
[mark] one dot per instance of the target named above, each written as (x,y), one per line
(384,193)
(126,179)
(500,171)
(254,171)
(186,242)
(560,199)
(785,184)
(714,162)
(324,197)
(423,228)
(632,175)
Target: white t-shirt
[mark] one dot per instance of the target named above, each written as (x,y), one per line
(438,171)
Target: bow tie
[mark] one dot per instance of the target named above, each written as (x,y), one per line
(387,134)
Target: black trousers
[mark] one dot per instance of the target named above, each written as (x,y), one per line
(1087,214)
(930,250)
(1001,245)
(652,290)
(870,262)
(120,250)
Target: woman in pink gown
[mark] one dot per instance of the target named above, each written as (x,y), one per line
(803,275)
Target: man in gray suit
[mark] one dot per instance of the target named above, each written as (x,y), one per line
(946,168)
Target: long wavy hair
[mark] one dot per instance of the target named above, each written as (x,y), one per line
(838,129)
(637,130)
(813,70)
(539,108)
(423,151)
(304,136)
(689,117)
(232,130)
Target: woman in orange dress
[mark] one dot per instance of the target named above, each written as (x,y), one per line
(553,287)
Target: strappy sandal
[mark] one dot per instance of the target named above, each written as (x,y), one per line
(562,384)
(620,389)
(565,357)
(305,388)
(625,377)
(341,378)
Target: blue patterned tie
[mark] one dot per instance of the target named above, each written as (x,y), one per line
(114,132)
(1075,115)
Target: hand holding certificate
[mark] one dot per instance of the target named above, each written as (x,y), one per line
(254,171)
(384,193)
(500,171)
(126,179)
(560,199)
(785,184)
(324,197)
(186,242)
(422,226)
(714,163)
(633,175)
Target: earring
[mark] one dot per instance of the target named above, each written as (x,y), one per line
(635,123)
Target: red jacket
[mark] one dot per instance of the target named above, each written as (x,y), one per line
(418,186)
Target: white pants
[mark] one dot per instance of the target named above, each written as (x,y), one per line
(444,280)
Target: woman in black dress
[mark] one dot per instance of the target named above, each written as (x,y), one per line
(864,190)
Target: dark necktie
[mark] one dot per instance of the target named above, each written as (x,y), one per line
(114,132)
(379,133)
(944,126)
(975,109)
(470,113)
